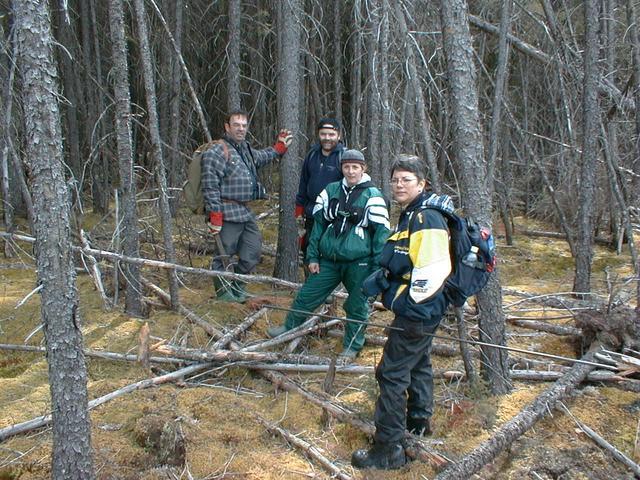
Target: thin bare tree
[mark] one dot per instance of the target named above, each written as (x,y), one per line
(127,189)
(591,114)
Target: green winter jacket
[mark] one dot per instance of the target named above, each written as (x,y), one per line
(349,223)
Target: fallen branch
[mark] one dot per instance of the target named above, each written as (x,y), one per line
(438,348)
(601,442)
(188,314)
(545,327)
(96,354)
(45,420)
(94,271)
(166,265)
(235,332)
(518,425)
(314,452)
(561,236)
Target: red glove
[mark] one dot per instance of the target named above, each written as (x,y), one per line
(299,211)
(215,222)
(285,137)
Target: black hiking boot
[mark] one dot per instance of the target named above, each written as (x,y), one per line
(419,426)
(381,457)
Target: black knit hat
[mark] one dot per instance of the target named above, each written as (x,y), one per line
(353,156)
(332,123)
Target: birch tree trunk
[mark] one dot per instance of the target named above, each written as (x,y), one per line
(467,148)
(591,114)
(127,189)
(289,89)
(72,455)
(156,147)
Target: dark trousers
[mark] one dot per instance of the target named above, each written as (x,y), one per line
(244,240)
(405,378)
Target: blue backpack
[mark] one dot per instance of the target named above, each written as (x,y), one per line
(473,257)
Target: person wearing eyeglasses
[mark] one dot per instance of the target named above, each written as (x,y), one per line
(415,264)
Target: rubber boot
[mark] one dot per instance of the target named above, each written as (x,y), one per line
(223,293)
(419,426)
(381,456)
(238,290)
(273,332)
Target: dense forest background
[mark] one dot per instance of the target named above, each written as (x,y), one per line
(520,109)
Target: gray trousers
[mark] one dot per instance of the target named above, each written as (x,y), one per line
(405,378)
(242,239)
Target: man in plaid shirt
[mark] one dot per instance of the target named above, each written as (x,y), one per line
(229,182)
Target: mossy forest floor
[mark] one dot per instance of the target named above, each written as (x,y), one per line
(216,412)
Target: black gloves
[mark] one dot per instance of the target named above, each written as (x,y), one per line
(375,283)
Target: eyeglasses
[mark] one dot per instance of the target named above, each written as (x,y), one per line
(403,180)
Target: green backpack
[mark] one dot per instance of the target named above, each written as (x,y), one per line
(192,187)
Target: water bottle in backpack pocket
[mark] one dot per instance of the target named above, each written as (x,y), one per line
(473,257)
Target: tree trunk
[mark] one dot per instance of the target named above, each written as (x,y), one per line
(233,52)
(289,89)
(176,161)
(374,114)
(337,59)
(71,94)
(498,94)
(72,455)
(467,148)
(94,129)
(129,224)
(587,191)
(425,124)
(634,38)
(156,147)
(356,79)
(514,428)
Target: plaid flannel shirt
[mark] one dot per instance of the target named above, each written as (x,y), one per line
(227,185)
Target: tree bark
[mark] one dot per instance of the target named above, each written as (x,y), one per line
(289,87)
(591,114)
(514,428)
(499,90)
(156,147)
(424,131)
(233,54)
(337,59)
(129,224)
(467,146)
(72,456)
(634,38)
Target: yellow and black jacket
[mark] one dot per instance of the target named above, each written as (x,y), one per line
(418,261)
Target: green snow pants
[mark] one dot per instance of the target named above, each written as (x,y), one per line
(320,285)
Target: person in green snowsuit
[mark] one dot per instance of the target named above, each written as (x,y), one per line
(351,226)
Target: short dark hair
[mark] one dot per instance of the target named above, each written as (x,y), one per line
(409,163)
(233,113)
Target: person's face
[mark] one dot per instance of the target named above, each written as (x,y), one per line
(405,187)
(329,138)
(237,128)
(352,172)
